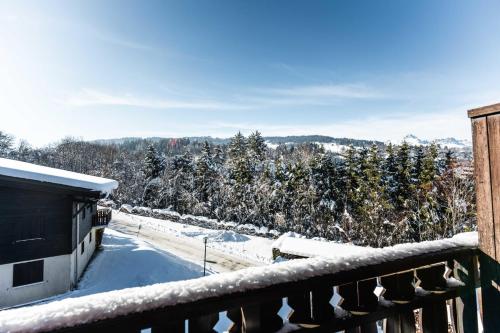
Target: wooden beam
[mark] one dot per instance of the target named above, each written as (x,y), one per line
(483,186)
(486,144)
(484,111)
(494,153)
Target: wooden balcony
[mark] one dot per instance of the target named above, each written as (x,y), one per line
(101,218)
(439,280)
(421,287)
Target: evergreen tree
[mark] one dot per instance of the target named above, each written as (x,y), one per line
(237,147)
(257,146)
(180,192)
(426,214)
(218,158)
(153,163)
(429,168)
(153,167)
(418,165)
(205,174)
(323,177)
(351,175)
(402,177)
(390,170)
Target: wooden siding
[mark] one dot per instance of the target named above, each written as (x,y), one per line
(36,219)
(43,217)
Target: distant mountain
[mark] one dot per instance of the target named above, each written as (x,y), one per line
(450,143)
(273,141)
(329,143)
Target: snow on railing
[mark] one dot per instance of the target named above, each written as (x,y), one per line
(264,287)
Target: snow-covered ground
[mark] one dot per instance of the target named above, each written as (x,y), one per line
(251,248)
(111,268)
(332,147)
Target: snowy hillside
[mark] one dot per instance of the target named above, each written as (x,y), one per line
(327,146)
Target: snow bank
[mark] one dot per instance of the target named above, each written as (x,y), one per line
(201,221)
(291,243)
(228,236)
(17,169)
(90,308)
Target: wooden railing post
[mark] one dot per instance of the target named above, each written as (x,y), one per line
(262,317)
(465,306)
(399,289)
(169,327)
(301,306)
(434,316)
(203,324)
(359,299)
(486,145)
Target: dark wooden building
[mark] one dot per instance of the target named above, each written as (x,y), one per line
(48,224)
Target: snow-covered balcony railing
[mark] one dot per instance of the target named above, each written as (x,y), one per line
(446,271)
(102,217)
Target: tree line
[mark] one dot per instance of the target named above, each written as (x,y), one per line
(374,195)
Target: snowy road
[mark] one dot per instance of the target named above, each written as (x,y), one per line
(191,249)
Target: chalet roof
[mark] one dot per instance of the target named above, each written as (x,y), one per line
(23,170)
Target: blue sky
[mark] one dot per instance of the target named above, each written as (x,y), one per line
(363,69)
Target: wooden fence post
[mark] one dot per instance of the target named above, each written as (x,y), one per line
(486,145)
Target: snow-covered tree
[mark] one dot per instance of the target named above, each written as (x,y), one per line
(6,142)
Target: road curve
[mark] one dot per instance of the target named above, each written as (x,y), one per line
(184,247)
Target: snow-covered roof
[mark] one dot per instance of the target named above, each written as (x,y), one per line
(289,243)
(81,310)
(17,169)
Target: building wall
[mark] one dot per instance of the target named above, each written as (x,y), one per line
(83,226)
(56,280)
(59,275)
(51,215)
(83,259)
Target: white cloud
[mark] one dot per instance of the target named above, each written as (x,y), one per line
(253,99)
(338,91)
(91,97)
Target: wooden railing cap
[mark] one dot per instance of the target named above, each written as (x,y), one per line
(484,111)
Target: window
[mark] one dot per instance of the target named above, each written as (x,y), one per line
(28,273)
(83,247)
(84,210)
(90,237)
